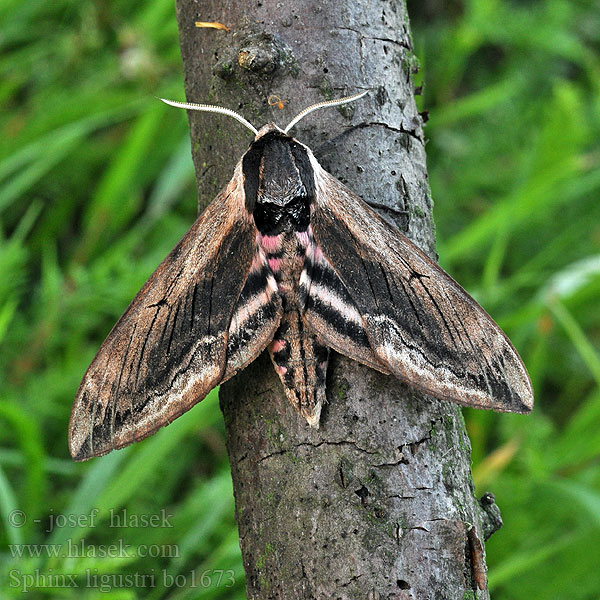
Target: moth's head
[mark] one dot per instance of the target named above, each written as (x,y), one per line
(266,129)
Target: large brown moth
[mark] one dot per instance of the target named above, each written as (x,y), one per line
(286,257)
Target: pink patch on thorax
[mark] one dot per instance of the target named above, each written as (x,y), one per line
(274,264)
(303,237)
(277,345)
(271,242)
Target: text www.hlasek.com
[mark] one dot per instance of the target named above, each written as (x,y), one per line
(82,549)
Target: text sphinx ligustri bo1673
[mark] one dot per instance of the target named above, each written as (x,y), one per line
(287,257)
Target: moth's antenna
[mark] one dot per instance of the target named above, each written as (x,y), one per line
(213,109)
(327,103)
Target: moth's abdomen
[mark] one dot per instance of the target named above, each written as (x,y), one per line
(301,363)
(299,358)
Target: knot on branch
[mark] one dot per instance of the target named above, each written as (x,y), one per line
(259,59)
(256,52)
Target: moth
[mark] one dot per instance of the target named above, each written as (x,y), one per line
(288,258)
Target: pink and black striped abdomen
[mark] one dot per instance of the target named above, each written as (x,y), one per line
(299,358)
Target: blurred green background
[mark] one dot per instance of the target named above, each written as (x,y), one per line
(97,184)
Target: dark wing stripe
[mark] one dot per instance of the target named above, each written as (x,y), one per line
(144,343)
(410,301)
(337,320)
(116,393)
(173,283)
(256,283)
(193,318)
(240,334)
(367,273)
(439,311)
(173,326)
(420,323)
(210,302)
(476,353)
(330,311)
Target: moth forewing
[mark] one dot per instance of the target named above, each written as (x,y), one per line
(421,324)
(169,348)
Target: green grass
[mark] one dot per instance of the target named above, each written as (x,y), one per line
(96,183)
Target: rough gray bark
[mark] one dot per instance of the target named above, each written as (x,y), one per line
(378,503)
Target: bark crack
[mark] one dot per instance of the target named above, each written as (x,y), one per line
(412,447)
(351,580)
(411,132)
(402,43)
(317,445)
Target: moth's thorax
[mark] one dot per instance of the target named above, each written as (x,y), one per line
(278,183)
(279,176)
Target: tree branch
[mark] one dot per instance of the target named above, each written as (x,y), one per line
(378,503)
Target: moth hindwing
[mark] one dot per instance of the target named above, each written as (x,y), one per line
(286,257)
